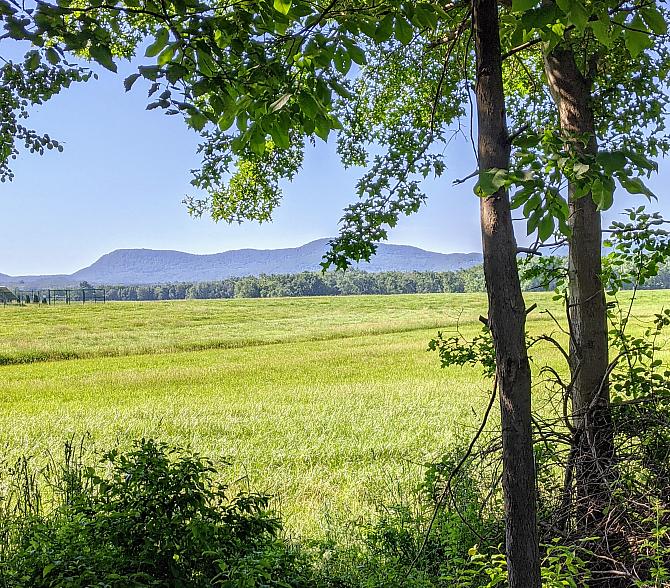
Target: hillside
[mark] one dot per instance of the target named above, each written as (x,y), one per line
(148,266)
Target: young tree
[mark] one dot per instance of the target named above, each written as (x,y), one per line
(507,310)
(605,74)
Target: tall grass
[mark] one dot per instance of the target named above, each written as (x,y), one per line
(317,400)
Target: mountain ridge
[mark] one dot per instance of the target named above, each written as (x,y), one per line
(162,266)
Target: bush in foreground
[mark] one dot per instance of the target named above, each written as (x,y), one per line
(152,516)
(155,516)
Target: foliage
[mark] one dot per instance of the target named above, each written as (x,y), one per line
(260,80)
(639,249)
(458,350)
(638,480)
(41,74)
(464,546)
(151,516)
(310,284)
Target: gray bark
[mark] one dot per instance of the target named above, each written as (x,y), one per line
(587,309)
(507,313)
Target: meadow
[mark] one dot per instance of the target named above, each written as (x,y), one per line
(325,402)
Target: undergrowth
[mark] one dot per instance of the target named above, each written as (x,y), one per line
(153,515)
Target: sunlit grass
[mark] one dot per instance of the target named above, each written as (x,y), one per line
(318,400)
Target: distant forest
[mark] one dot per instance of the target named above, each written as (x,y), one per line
(310,284)
(348,283)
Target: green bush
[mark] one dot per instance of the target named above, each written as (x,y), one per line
(152,516)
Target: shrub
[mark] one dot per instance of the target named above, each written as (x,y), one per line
(151,516)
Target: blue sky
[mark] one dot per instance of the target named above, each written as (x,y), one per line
(120,181)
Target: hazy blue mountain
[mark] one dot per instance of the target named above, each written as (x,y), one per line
(148,266)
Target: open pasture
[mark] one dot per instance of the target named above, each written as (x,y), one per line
(319,400)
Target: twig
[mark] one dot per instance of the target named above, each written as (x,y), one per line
(452,475)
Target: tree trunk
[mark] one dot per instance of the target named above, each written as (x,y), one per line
(586,299)
(507,311)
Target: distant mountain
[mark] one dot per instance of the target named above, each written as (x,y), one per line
(148,266)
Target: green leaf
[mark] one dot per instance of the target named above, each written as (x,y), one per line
(601,31)
(654,19)
(257,141)
(602,193)
(611,161)
(162,38)
(532,204)
(282,6)
(33,61)
(197,121)
(280,136)
(384,29)
(636,38)
(523,5)
(368,26)
(206,64)
(564,5)
(533,220)
(490,181)
(636,186)
(403,31)
(546,227)
(641,161)
(527,140)
(103,56)
(322,128)
(150,72)
(174,72)
(342,61)
(226,120)
(166,56)
(129,81)
(52,56)
(425,15)
(340,89)
(540,17)
(309,105)
(356,54)
(578,14)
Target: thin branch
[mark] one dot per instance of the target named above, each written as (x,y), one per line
(452,475)
(456,182)
(520,48)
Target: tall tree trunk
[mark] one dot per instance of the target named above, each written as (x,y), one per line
(507,311)
(586,299)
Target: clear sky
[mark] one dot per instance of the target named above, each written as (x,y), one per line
(120,181)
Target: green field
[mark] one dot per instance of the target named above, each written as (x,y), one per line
(321,401)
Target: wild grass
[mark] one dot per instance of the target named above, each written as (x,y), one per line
(320,401)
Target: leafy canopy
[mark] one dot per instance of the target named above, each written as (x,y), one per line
(260,80)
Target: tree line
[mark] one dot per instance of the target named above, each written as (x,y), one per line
(350,283)
(309,284)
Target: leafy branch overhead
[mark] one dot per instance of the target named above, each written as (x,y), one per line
(260,80)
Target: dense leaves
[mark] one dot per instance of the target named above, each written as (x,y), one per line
(150,516)
(353,282)
(260,80)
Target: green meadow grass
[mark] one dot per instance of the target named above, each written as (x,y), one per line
(321,401)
